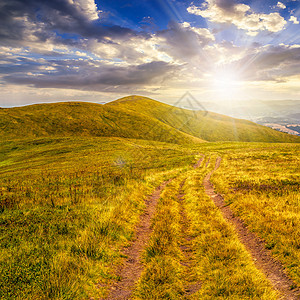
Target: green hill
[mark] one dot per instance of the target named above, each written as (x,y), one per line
(131,117)
(85,119)
(209,126)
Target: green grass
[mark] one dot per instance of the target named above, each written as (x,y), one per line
(67,208)
(86,119)
(223,265)
(208,126)
(128,118)
(218,260)
(68,205)
(162,277)
(262,186)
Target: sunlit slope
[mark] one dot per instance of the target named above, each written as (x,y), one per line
(205,125)
(131,117)
(86,119)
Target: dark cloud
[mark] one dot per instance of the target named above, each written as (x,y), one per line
(227,5)
(183,42)
(10,67)
(19,18)
(270,64)
(81,75)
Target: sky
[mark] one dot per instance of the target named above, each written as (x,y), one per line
(101,50)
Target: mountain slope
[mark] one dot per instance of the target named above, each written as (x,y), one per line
(205,125)
(131,117)
(85,119)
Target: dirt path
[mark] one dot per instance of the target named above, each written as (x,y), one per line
(262,257)
(132,269)
(186,248)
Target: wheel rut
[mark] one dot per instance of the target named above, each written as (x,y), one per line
(132,268)
(262,257)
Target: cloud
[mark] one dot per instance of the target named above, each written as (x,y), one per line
(88,8)
(203,33)
(294,20)
(281,5)
(39,21)
(238,14)
(178,43)
(183,41)
(87,75)
(269,63)
(113,56)
(164,59)
(65,45)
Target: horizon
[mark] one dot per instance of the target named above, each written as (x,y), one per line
(161,101)
(95,51)
(224,102)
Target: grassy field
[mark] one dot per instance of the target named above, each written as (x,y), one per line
(216,259)
(262,186)
(69,205)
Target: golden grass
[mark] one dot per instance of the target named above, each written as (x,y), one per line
(262,186)
(67,208)
(128,118)
(218,261)
(69,205)
(223,265)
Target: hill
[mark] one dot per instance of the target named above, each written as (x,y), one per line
(131,117)
(209,126)
(85,119)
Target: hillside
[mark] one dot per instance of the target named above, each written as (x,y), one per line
(131,117)
(85,119)
(209,126)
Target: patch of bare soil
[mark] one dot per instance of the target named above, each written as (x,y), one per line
(132,268)
(262,257)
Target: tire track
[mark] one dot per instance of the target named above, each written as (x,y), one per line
(262,257)
(132,268)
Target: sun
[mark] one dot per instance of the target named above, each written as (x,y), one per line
(226,84)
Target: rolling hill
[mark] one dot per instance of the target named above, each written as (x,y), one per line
(131,117)
(78,180)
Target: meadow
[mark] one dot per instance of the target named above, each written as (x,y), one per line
(75,179)
(193,252)
(70,205)
(262,187)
